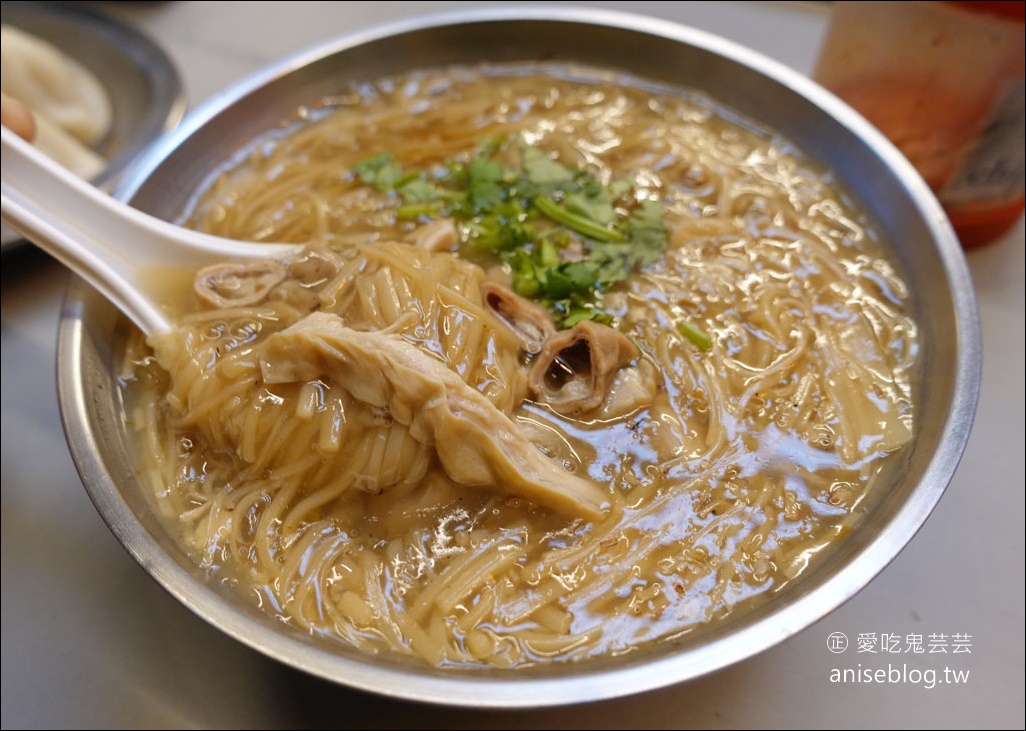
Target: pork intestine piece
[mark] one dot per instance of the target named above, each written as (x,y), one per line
(476,444)
(576,368)
(530,322)
(238,285)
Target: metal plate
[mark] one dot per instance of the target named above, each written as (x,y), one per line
(145,89)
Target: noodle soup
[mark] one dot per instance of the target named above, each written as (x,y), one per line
(572,363)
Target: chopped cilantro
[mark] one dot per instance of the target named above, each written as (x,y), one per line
(576,222)
(381,171)
(418,190)
(647,232)
(542,170)
(698,337)
(565,236)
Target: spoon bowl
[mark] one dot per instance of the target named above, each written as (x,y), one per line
(111,245)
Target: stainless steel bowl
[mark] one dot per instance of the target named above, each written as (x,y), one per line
(92,334)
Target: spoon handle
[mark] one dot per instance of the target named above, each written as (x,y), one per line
(103,240)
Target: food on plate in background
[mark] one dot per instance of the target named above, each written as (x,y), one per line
(17,117)
(573,362)
(71,107)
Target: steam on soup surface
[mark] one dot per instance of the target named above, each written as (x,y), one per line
(418,438)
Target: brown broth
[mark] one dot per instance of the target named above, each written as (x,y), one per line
(748,461)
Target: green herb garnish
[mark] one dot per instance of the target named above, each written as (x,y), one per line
(698,337)
(565,236)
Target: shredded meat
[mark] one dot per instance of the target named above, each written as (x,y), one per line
(531,322)
(238,285)
(575,369)
(476,443)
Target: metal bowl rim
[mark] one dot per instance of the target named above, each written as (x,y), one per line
(579,682)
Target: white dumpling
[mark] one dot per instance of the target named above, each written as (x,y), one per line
(54,85)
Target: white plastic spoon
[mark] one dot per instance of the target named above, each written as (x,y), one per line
(108,243)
